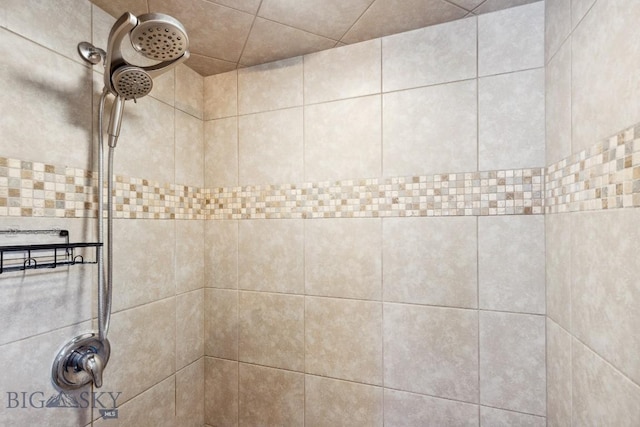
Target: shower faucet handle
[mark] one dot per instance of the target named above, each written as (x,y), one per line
(81,362)
(93,365)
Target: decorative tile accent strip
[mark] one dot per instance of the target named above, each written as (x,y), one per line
(508,192)
(605,176)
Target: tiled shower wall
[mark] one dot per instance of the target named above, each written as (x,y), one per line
(364,316)
(48,106)
(592,93)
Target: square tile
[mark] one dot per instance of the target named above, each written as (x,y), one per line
(558,268)
(221,384)
(221,254)
(221,153)
(221,323)
(558,105)
(402,409)
(558,375)
(221,95)
(271,86)
(189,328)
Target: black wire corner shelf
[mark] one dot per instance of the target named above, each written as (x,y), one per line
(43,255)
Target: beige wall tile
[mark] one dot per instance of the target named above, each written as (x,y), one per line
(489,6)
(598,83)
(221,254)
(342,139)
(221,323)
(189,255)
(58,28)
(558,268)
(271,253)
(343,258)
(190,395)
(189,91)
(221,153)
(270,396)
(271,330)
(189,327)
(189,150)
(402,409)
(512,362)
(511,263)
(511,120)
(432,55)
(558,105)
(492,417)
(604,287)
(430,130)
(36,376)
(143,348)
(431,350)
(557,18)
(270,86)
(221,392)
(558,375)
(601,395)
(331,402)
(344,339)
(430,261)
(221,95)
(511,39)
(164,87)
(579,8)
(54,108)
(143,265)
(344,72)
(271,147)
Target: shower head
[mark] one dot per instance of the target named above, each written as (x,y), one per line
(154,36)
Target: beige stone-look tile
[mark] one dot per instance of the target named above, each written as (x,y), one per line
(207,66)
(511,120)
(605,81)
(512,362)
(144,409)
(579,8)
(143,265)
(558,105)
(343,258)
(557,18)
(271,253)
(402,409)
(221,254)
(271,147)
(511,263)
(492,417)
(221,153)
(270,86)
(384,17)
(35,377)
(430,130)
(164,87)
(42,106)
(601,395)
(430,261)
(344,72)
(36,302)
(344,339)
(604,291)
(189,255)
(189,328)
(143,348)
(189,150)
(221,323)
(221,95)
(189,91)
(467,4)
(330,403)
(558,268)
(220,392)
(271,330)
(58,28)
(495,5)
(101,23)
(270,397)
(342,139)
(190,395)
(558,375)
(114,7)
(511,40)
(431,350)
(433,55)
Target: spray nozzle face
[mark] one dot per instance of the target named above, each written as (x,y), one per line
(159,37)
(132,82)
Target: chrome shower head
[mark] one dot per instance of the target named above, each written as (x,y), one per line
(159,37)
(131,82)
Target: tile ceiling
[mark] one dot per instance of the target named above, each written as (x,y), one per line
(229,34)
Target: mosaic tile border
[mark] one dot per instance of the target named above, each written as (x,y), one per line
(605,176)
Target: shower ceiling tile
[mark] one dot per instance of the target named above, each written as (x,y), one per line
(384,17)
(206,66)
(250,6)
(214,31)
(270,41)
(467,4)
(118,7)
(495,5)
(332,20)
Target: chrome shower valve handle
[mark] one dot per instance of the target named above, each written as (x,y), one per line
(80,362)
